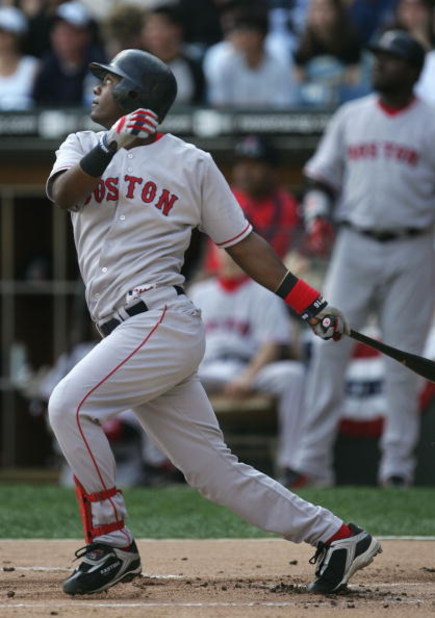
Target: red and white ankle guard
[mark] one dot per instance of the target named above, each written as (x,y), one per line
(300,296)
(101,512)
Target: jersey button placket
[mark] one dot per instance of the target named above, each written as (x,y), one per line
(130,156)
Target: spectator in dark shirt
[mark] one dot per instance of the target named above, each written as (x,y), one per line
(40,14)
(201,23)
(64,77)
(328,55)
(163,36)
(369,16)
(418,18)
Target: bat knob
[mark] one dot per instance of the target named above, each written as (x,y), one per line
(326,322)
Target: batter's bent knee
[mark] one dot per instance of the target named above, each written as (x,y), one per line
(61,407)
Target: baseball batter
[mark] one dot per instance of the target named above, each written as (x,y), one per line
(135,195)
(377,160)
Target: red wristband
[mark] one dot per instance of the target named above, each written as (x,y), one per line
(301,297)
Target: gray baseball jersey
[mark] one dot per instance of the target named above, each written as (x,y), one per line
(120,249)
(382,162)
(238,321)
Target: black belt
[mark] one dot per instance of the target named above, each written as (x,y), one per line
(231,357)
(386,235)
(140,307)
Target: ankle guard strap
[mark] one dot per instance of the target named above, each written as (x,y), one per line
(90,517)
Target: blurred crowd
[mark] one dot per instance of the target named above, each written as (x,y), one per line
(234,53)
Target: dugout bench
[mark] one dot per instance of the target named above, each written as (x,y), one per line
(250,428)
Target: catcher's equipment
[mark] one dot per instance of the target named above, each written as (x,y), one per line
(146,81)
(140,123)
(331,324)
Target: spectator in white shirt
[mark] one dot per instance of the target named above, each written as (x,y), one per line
(17,71)
(248,75)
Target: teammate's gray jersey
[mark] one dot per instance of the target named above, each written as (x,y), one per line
(238,322)
(144,221)
(381,162)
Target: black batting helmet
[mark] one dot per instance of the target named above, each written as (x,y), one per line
(401,44)
(145,81)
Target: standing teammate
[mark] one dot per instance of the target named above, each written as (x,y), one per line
(377,161)
(134,196)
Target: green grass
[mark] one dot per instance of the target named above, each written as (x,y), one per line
(46,511)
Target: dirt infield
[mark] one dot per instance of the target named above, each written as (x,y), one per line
(237,578)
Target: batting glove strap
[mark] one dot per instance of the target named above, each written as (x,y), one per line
(94,163)
(301,297)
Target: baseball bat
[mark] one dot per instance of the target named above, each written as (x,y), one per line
(423,366)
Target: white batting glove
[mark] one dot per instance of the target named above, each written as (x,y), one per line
(330,324)
(140,123)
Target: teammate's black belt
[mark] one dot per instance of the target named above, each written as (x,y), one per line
(386,235)
(139,307)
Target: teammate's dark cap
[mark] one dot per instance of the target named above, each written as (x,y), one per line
(256,148)
(401,44)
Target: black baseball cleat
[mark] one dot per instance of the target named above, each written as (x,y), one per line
(103,566)
(339,560)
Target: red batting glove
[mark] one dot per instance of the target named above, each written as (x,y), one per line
(141,123)
(320,237)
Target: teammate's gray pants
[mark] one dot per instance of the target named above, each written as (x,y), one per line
(149,364)
(396,280)
(284,380)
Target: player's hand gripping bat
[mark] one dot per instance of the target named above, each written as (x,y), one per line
(423,366)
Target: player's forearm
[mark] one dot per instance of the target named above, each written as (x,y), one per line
(72,187)
(259,261)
